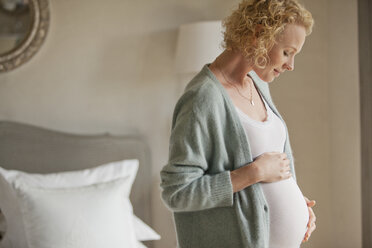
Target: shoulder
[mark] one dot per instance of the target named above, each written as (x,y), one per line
(201,95)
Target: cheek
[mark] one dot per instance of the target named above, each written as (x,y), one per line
(275,60)
(275,57)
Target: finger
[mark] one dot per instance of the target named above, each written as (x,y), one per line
(306,237)
(312,217)
(283,155)
(308,201)
(309,231)
(310,228)
(312,214)
(311,203)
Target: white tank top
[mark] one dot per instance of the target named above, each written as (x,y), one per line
(287,207)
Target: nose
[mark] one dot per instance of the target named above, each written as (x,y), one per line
(289,65)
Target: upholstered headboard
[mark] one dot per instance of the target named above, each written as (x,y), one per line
(40,150)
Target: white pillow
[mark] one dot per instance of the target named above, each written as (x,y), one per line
(144,232)
(139,245)
(15,233)
(88,216)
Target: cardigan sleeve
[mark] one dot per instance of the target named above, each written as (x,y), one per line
(186,183)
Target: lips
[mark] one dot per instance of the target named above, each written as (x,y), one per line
(276,72)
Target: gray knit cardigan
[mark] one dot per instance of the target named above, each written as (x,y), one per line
(207,142)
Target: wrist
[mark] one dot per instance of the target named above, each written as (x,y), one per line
(245,176)
(255,172)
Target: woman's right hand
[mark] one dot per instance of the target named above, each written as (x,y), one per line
(273,166)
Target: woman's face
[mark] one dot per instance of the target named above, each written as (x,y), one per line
(283,52)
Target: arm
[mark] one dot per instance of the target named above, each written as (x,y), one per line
(193,196)
(185,182)
(244,177)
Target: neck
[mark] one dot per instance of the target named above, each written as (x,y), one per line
(234,67)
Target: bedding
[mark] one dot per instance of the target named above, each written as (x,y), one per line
(29,201)
(143,231)
(93,216)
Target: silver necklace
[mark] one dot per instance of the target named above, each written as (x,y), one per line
(223,74)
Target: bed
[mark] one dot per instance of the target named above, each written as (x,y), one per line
(40,150)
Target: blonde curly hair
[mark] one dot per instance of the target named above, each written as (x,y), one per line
(255,25)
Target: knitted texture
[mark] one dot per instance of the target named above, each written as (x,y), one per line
(207,142)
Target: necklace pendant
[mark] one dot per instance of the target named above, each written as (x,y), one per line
(252,102)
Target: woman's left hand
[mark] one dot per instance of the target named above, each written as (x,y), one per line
(311,224)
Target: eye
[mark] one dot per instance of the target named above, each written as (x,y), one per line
(285,53)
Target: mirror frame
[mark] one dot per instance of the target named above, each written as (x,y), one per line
(40,17)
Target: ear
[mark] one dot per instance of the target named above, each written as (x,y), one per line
(258,29)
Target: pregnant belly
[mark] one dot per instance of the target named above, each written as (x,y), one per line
(288,213)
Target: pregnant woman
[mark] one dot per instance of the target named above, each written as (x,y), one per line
(230,178)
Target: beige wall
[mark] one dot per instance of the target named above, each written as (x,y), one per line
(108,66)
(344,123)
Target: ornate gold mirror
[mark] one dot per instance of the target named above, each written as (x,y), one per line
(24,25)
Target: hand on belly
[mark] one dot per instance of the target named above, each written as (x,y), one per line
(288,212)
